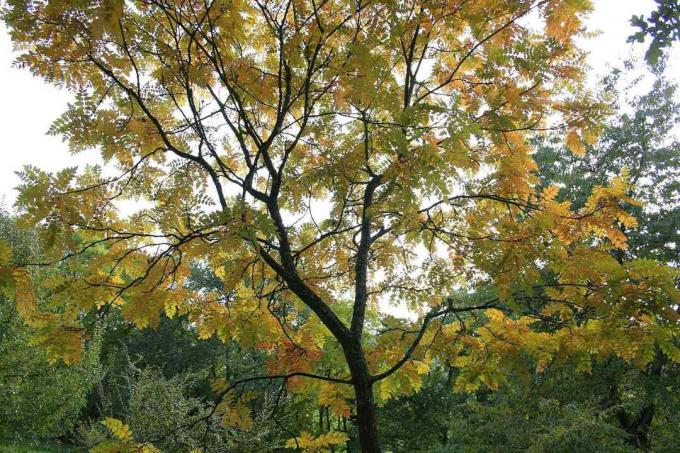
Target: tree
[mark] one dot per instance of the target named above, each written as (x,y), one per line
(325,159)
(616,402)
(36,401)
(663,26)
(642,139)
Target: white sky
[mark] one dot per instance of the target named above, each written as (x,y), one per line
(29,105)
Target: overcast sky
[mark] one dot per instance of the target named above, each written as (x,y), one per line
(29,106)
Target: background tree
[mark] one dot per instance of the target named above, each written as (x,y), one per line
(642,139)
(37,400)
(617,406)
(324,158)
(662,26)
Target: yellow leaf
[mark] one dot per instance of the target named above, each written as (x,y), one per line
(575,144)
(120,430)
(5,253)
(308,443)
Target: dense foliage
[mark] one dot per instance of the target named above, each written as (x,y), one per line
(662,26)
(37,401)
(304,168)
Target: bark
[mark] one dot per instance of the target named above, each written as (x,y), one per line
(367,416)
(637,427)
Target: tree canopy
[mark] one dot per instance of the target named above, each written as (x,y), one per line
(662,26)
(326,160)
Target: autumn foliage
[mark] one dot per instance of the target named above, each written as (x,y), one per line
(329,160)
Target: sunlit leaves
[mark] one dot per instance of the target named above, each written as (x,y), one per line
(122,440)
(561,20)
(337,397)
(575,144)
(235,413)
(320,444)
(319,155)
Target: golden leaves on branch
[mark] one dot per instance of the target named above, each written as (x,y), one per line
(235,412)
(337,397)
(319,444)
(575,144)
(57,332)
(122,440)
(333,91)
(563,18)
(118,429)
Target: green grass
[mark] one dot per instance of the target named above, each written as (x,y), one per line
(37,448)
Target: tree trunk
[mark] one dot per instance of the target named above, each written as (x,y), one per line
(367,416)
(638,427)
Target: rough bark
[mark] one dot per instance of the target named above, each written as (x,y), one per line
(367,416)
